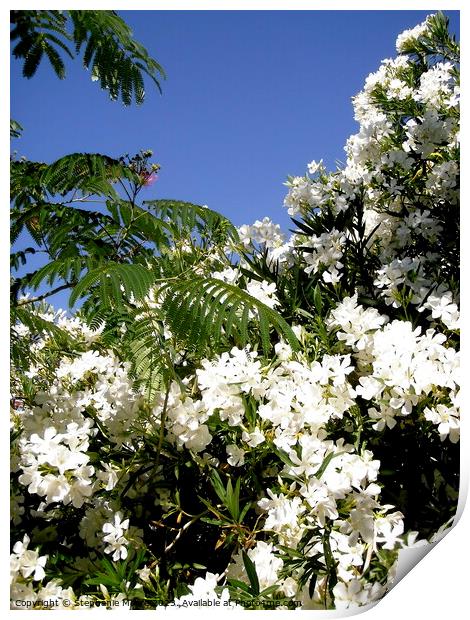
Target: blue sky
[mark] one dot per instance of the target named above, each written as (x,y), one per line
(250,97)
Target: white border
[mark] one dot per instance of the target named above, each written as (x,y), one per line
(438,584)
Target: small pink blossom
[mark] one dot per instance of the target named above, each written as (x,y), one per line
(149,179)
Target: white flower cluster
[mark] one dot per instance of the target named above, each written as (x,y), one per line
(263,291)
(303,192)
(185,419)
(27,567)
(412,34)
(266,562)
(116,542)
(55,465)
(268,236)
(326,253)
(389,163)
(295,401)
(52,453)
(263,232)
(400,367)
(203,589)
(402,278)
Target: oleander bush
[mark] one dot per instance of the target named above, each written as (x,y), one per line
(233,418)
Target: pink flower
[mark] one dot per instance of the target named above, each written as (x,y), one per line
(149,179)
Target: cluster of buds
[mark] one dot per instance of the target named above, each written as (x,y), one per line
(139,163)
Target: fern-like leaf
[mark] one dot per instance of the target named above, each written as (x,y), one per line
(115,58)
(181,218)
(202,311)
(89,172)
(143,343)
(33,59)
(135,281)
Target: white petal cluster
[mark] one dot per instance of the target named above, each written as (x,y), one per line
(263,232)
(55,465)
(412,34)
(116,542)
(26,581)
(326,254)
(400,367)
(203,589)
(26,562)
(263,291)
(267,565)
(185,419)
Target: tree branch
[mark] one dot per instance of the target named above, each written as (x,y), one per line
(41,297)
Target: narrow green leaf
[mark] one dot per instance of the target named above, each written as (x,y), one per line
(326,461)
(218,486)
(251,572)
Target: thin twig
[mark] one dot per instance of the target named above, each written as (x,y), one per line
(162,423)
(41,297)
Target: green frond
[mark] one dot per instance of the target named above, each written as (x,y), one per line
(135,281)
(55,60)
(201,312)
(15,129)
(35,232)
(89,172)
(33,59)
(183,218)
(125,78)
(24,181)
(37,33)
(144,342)
(114,57)
(138,84)
(52,37)
(19,258)
(66,269)
(90,50)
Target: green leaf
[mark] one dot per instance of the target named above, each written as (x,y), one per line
(117,59)
(33,59)
(317,299)
(135,279)
(15,129)
(218,486)
(233,499)
(283,456)
(251,572)
(240,585)
(326,461)
(245,509)
(269,590)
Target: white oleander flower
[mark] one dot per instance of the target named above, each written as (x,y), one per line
(236,455)
(26,561)
(115,539)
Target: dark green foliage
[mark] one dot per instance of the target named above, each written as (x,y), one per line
(111,259)
(15,129)
(84,173)
(115,59)
(422,478)
(37,33)
(251,572)
(436,44)
(114,281)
